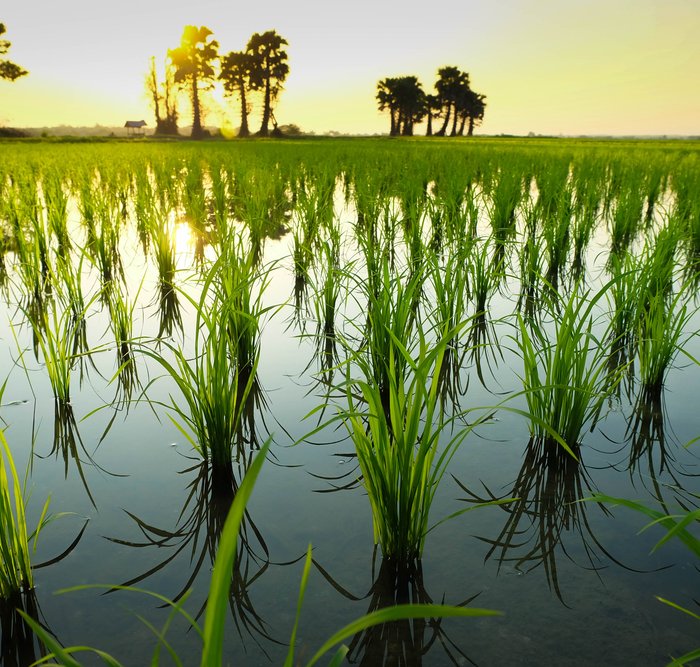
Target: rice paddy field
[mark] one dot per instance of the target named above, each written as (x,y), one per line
(472,368)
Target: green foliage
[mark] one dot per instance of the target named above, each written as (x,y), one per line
(565,377)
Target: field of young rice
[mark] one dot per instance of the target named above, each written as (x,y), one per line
(464,373)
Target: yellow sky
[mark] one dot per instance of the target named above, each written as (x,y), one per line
(546,66)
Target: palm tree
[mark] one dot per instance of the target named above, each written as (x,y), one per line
(472,110)
(269,70)
(450,85)
(433,106)
(236,71)
(193,63)
(386,99)
(406,101)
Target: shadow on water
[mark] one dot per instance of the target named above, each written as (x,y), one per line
(210,493)
(650,454)
(547,492)
(402,643)
(19,647)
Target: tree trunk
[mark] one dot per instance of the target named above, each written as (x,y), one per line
(429,131)
(443,129)
(264,126)
(196,111)
(470,131)
(454,124)
(244,131)
(461,126)
(393,132)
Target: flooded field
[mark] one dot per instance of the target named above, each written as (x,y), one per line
(475,364)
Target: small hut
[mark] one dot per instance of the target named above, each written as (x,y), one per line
(134,128)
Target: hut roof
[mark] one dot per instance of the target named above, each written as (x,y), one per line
(135,123)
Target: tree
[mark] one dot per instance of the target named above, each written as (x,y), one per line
(472,110)
(268,72)
(451,84)
(432,110)
(386,99)
(236,72)
(406,101)
(163,98)
(193,63)
(8,69)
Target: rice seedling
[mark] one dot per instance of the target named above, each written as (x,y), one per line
(215,385)
(566,378)
(484,275)
(330,283)
(56,204)
(54,332)
(627,215)
(661,329)
(397,440)
(121,318)
(391,324)
(15,566)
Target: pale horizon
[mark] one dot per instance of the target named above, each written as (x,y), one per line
(581,68)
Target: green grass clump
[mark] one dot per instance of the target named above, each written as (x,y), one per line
(216,382)
(565,376)
(397,440)
(15,566)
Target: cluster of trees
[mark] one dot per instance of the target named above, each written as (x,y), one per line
(262,67)
(8,69)
(453,101)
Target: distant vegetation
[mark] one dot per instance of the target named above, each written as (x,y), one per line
(407,103)
(8,69)
(261,67)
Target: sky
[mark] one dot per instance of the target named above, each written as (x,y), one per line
(571,67)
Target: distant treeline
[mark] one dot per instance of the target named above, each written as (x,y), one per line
(454,100)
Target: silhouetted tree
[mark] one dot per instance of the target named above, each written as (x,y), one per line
(163,98)
(386,99)
(193,63)
(236,70)
(450,86)
(472,110)
(406,101)
(432,110)
(8,69)
(268,72)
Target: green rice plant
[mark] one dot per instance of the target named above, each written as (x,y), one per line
(392,318)
(54,331)
(661,329)
(531,272)
(397,440)
(484,275)
(121,319)
(627,215)
(328,291)
(15,566)
(56,204)
(216,382)
(566,379)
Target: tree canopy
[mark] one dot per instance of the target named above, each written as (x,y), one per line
(8,69)
(454,101)
(269,71)
(193,61)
